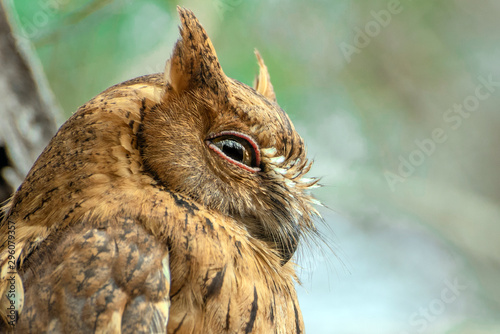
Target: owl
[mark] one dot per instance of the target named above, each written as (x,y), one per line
(169,203)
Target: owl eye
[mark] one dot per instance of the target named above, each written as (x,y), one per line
(236,148)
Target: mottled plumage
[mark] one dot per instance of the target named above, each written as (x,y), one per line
(168,203)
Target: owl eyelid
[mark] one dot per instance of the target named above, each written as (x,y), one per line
(247,138)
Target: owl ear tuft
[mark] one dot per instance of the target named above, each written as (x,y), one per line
(194,63)
(263,80)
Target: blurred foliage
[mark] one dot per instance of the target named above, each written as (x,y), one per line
(362,114)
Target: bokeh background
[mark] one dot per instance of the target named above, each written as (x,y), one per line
(398,103)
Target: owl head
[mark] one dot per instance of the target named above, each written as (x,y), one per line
(228,146)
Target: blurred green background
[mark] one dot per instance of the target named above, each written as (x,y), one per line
(398,103)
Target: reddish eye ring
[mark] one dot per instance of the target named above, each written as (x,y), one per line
(237,148)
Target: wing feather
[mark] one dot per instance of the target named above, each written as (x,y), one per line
(110,277)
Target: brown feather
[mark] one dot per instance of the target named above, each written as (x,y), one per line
(131,221)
